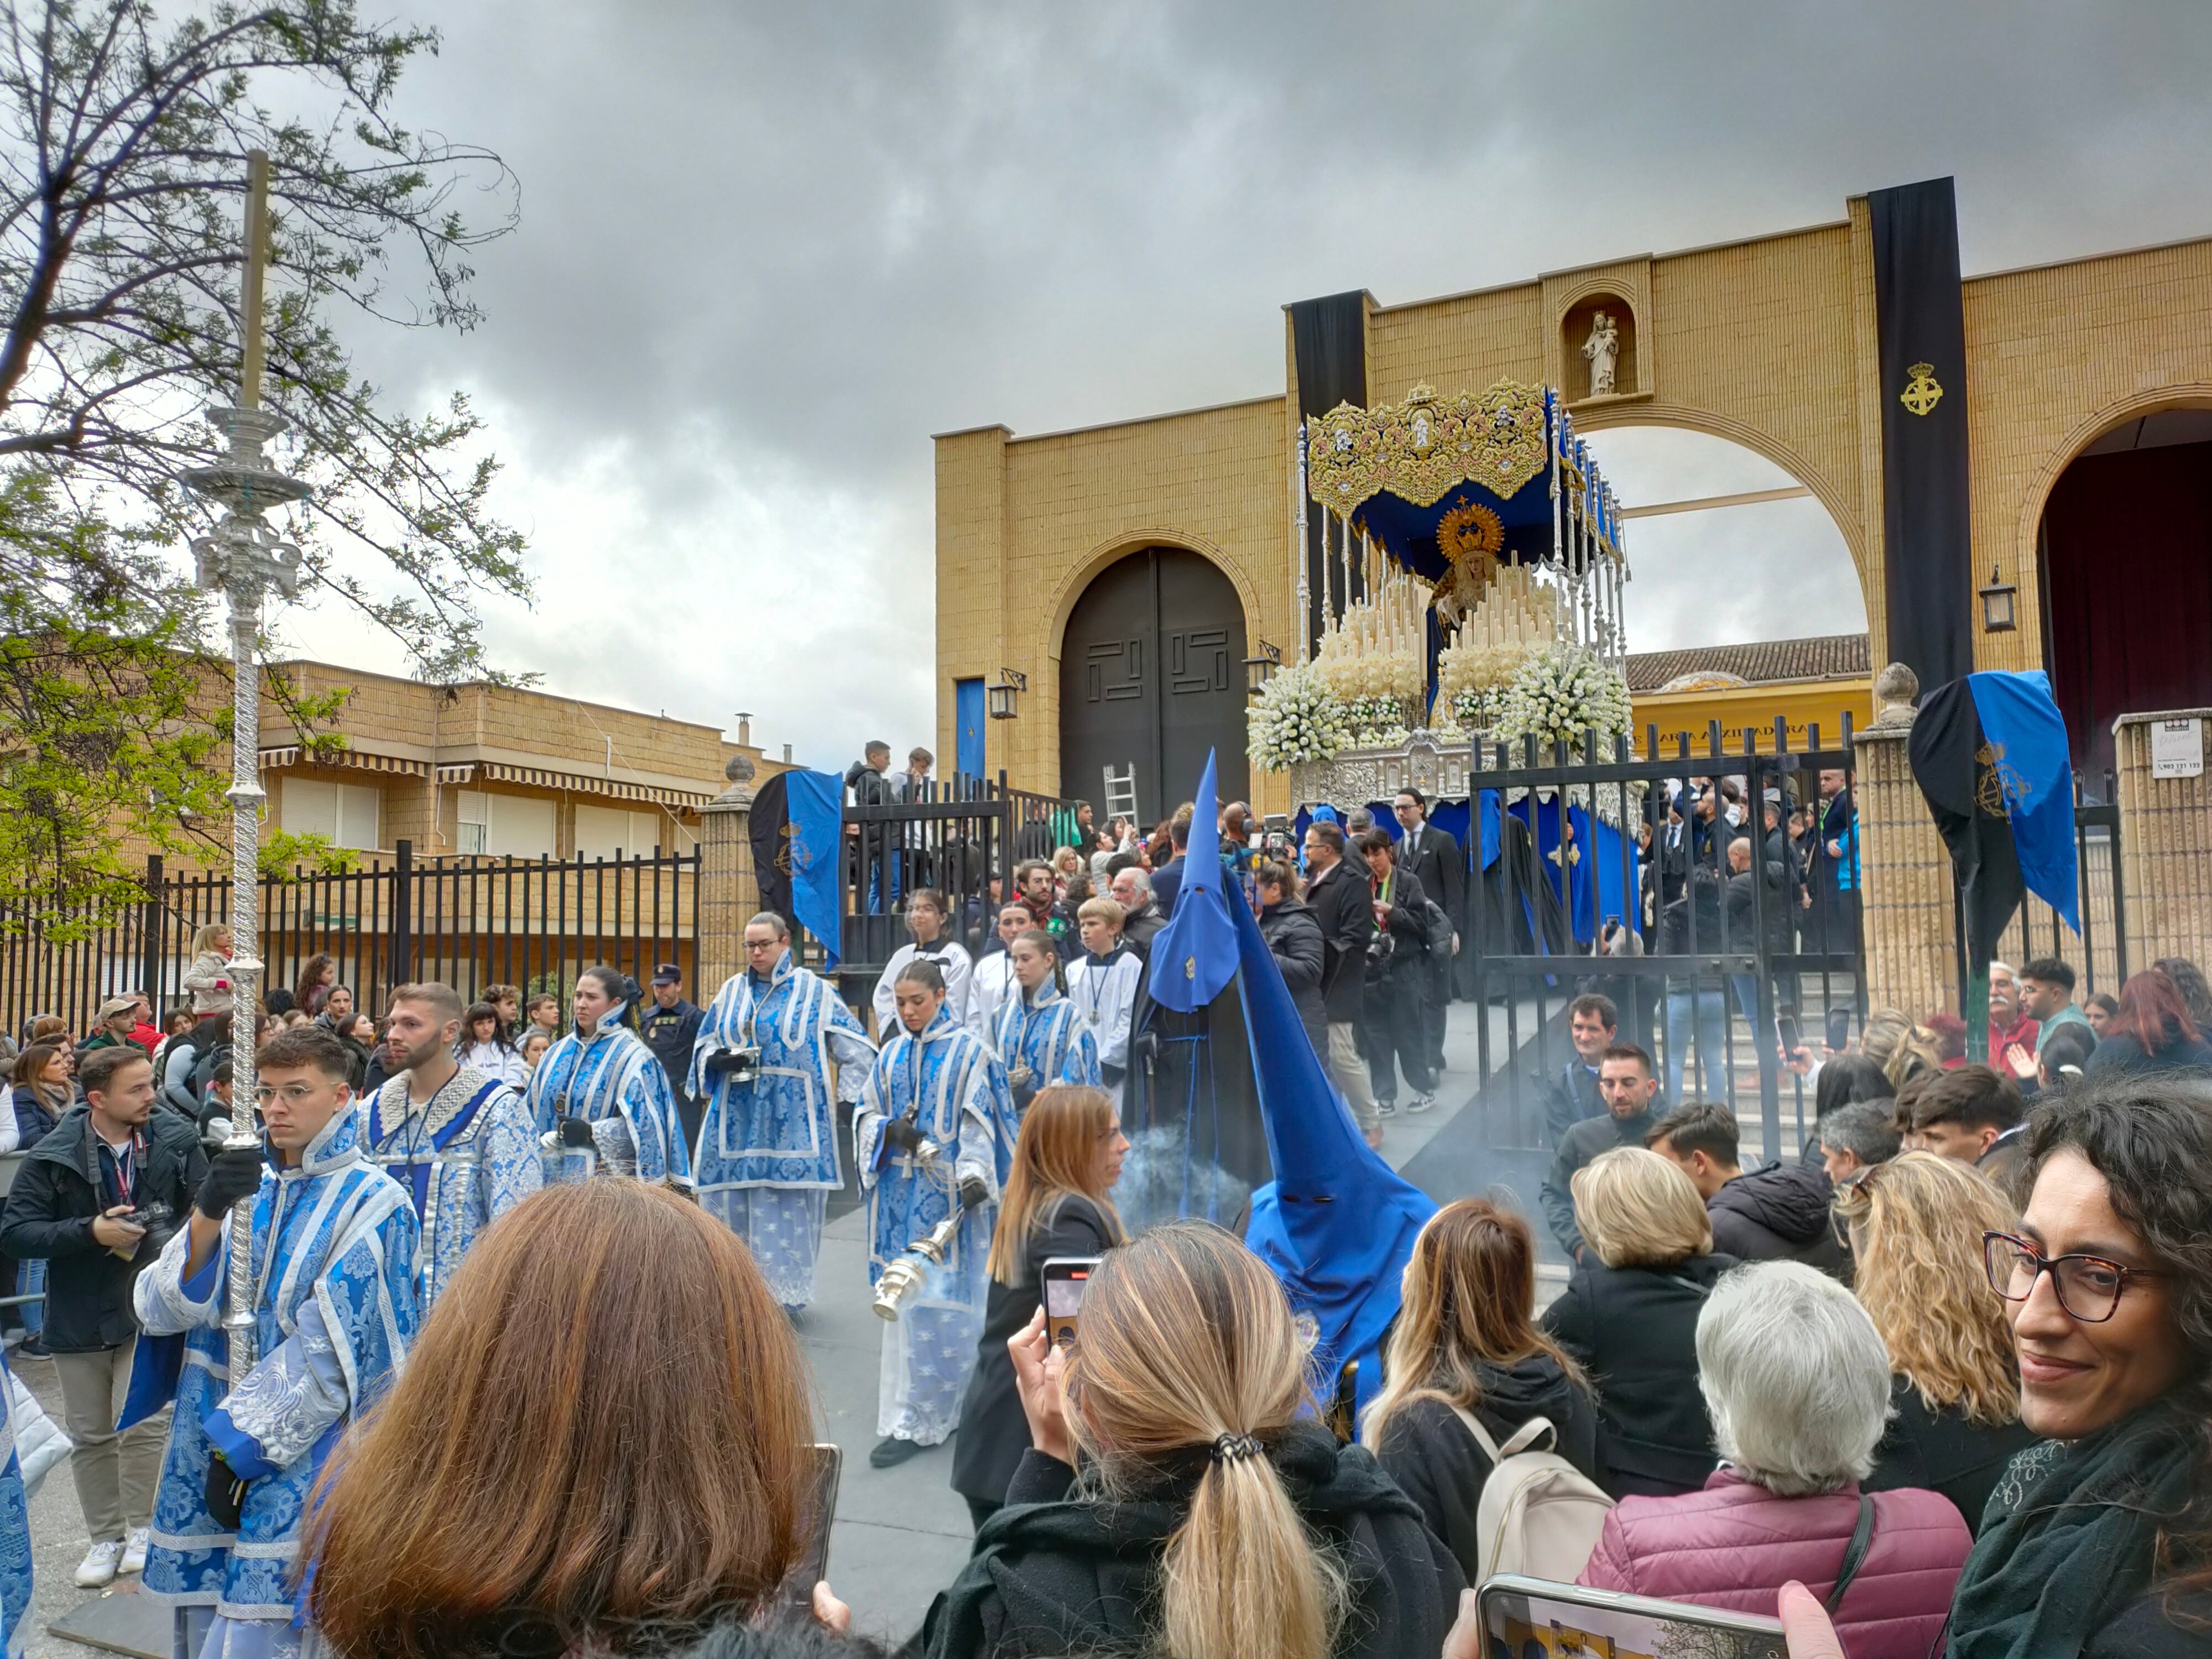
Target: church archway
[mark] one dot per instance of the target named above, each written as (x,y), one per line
(2123,556)
(1151,676)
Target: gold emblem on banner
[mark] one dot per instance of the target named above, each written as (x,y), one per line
(1997,787)
(1922,393)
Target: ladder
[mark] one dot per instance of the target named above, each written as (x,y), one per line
(1121,793)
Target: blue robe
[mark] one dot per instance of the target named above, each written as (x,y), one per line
(955,1092)
(333,1257)
(611,1072)
(1048,1033)
(467,1158)
(767,1157)
(15,1530)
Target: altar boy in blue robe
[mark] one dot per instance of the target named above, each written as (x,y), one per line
(333,1261)
(767,1157)
(934,1082)
(600,1087)
(1042,1038)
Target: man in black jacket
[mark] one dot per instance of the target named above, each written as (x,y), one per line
(1624,1077)
(1341,904)
(670,1026)
(1286,922)
(1432,857)
(97,1198)
(1778,1213)
(1396,1023)
(1572,1093)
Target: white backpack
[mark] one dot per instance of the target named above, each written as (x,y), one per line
(1539,1517)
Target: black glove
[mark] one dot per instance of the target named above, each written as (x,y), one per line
(576,1132)
(975,1192)
(225,1493)
(720,1062)
(902,1136)
(232,1175)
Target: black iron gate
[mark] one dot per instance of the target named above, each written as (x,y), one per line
(1613,876)
(471,922)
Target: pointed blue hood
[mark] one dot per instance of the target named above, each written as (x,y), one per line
(1337,1224)
(1194,957)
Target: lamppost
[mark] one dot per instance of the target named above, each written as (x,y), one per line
(242,558)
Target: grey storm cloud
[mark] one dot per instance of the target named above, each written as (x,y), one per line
(765,251)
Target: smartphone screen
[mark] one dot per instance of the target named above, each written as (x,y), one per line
(829,1465)
(1066,1279)
(1785,1027)
(1839,1029)
(1527,1615)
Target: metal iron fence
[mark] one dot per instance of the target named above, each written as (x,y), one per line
(470,922)
(963,836)
(1613,875)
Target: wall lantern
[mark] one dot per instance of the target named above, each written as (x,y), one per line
(1260,668)
(1997,605)
(1000,694)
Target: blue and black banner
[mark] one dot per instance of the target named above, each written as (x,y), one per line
(1927,546)
(1989,752)
(1329,343)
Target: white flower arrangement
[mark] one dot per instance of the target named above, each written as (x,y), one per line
(1370,718)
(1298,719)
(1562,693)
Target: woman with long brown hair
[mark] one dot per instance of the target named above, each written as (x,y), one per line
(2152,1032)
(1915,1225)
(599,1444)
(1215,1518)
(1057,1202)
(1466,1348)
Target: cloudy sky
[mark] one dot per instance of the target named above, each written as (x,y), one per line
(765,251)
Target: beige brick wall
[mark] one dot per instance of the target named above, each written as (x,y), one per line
(2056,355)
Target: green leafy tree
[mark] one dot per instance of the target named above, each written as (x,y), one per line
(123,132)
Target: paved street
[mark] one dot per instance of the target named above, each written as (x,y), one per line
(901,1535)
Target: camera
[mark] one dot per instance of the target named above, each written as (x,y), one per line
(744,1064)
(159,1222)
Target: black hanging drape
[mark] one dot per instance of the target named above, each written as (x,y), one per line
(1927,551)
(1328,339)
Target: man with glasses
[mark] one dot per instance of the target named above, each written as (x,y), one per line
(331,1234)
(459,1141)
(85,1202)
(777,1051)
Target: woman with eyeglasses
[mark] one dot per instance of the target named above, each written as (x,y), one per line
(1915,1225)
(2097,1540)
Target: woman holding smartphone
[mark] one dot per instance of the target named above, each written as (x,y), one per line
(1058,1203)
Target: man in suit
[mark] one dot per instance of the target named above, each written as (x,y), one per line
(1342,903)
(1167,880)
(1434,858)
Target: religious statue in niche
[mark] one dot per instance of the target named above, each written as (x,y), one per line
(1602,350)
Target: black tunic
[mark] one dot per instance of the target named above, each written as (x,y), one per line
(994,1433)
(1941,1451)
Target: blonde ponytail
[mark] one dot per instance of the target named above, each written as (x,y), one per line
(1188,1344)
(1243,1574)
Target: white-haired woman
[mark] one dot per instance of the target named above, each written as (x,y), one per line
(1796,1381)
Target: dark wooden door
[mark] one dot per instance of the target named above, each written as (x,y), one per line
(1152,675)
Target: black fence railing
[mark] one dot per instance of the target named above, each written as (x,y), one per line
(962,836)
(471,921)
(1613,874)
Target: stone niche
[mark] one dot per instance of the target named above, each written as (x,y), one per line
(1575,331)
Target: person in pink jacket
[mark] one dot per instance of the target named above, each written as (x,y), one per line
(1796,1380)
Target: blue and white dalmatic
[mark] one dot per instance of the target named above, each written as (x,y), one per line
(608,1073)
(948,1083)
(466,1158)
(1043,1039)
(767,1157)
(333,1258)
(15,1530)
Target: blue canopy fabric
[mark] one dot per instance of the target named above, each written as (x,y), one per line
(816,802)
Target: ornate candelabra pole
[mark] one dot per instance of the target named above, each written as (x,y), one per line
(242,558)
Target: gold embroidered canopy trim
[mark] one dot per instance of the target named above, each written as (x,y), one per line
(1423,448)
